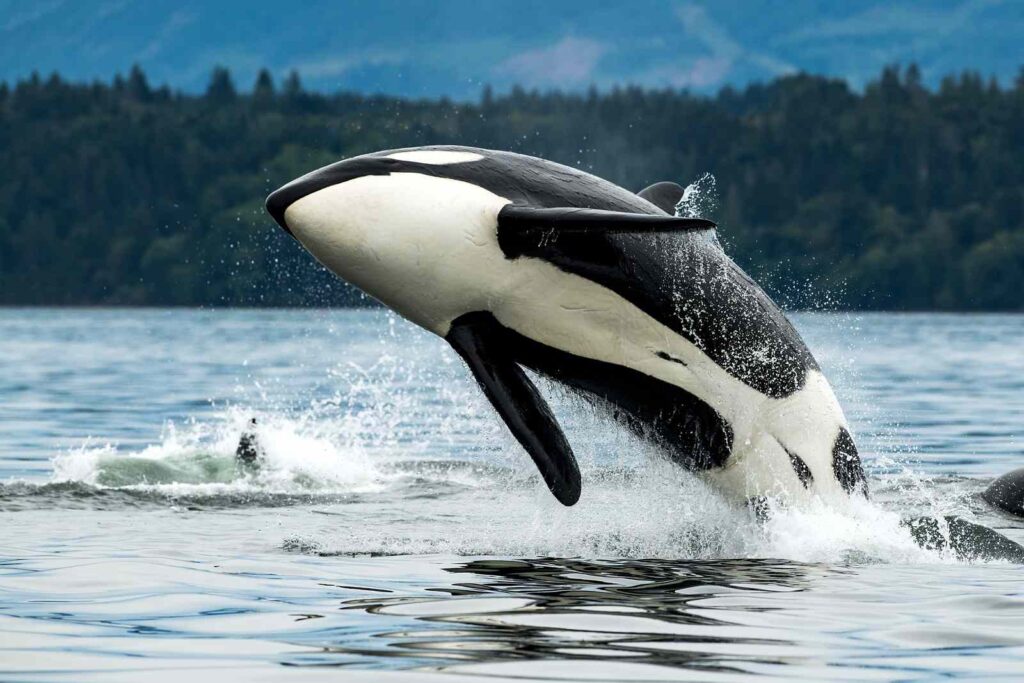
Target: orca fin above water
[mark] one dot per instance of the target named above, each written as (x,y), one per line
(664,195)
(967,540)
(1007,493)
(476,337)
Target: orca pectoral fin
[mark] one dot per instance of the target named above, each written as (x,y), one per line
(664,195)
(476,337)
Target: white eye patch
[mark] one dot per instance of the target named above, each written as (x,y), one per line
(436,157)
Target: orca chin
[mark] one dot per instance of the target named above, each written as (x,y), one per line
(520,262)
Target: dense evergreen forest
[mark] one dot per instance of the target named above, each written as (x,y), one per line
(898,197)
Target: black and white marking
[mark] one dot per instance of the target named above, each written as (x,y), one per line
(249,452)
(517,261)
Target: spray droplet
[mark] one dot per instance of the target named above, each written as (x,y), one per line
(700,198)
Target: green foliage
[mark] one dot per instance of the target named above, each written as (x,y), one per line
(897,197)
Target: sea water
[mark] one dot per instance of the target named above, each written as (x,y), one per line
(394,529)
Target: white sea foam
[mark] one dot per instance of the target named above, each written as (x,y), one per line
(297,456)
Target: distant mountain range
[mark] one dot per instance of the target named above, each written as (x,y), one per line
(423,48)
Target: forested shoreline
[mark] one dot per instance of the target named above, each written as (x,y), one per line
(899,197)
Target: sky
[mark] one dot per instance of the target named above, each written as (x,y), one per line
(453,47)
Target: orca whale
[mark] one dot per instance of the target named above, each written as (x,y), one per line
(521,263)
(249,451)
(1007,493)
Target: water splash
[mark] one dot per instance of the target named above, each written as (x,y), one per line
(385,503)
(406,457)
(298,455)
(700,198)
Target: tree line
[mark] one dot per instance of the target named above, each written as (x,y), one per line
(896,197)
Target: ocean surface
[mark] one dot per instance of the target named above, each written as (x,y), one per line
(395,531)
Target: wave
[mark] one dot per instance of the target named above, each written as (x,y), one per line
(383,496)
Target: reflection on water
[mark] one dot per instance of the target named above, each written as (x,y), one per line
(96,616)
(554,609)
(671,620)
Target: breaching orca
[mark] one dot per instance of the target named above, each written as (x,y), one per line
(521,262)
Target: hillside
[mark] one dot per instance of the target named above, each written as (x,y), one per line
(897,197)
(431,48)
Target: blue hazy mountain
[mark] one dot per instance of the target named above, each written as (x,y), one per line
(453,47)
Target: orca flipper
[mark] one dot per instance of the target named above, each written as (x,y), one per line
(1007,493)
(476,337)
(967,540)
(664,195)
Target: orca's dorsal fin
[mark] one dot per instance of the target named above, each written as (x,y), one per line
(477,338)
(664,195)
